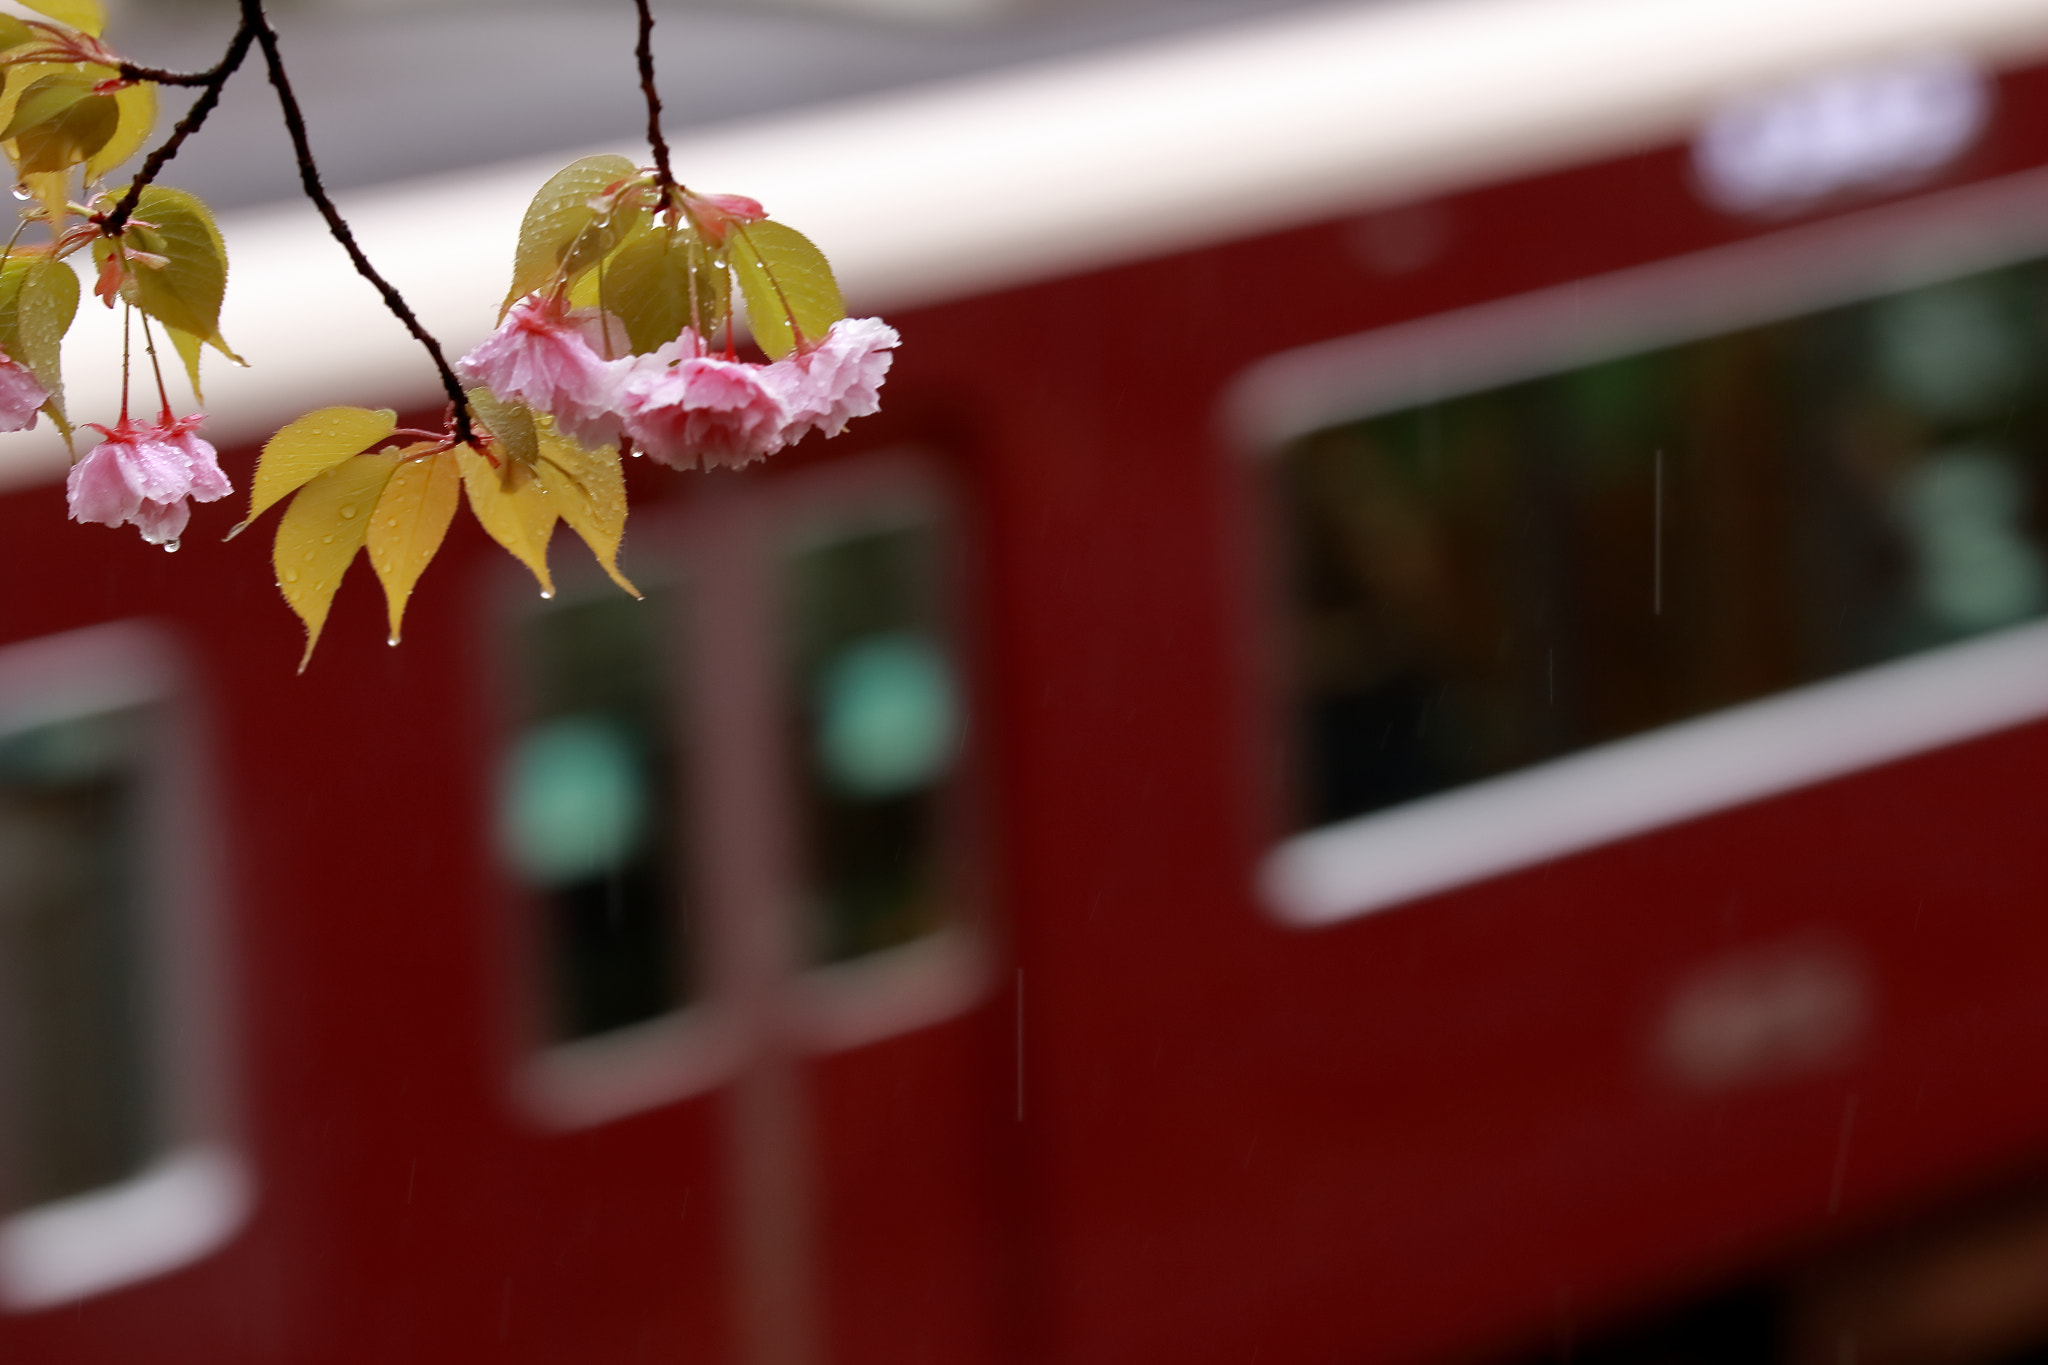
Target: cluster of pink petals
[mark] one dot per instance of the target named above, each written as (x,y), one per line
(543,357)
(21,395)
(146,473)
(680,404)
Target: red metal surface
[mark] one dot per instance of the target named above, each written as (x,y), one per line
(1399,1138)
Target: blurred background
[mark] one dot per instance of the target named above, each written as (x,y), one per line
(1416,735)
(395,89)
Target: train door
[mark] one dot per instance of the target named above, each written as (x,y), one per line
(743,807)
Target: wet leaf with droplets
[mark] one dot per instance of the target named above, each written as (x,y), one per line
(409,524)
(588,489)
(791,295)
(310,446)
(659,282)
(562,230)
(38,300)
(320,533)
(513,509)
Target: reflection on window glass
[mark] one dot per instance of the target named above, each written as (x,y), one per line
(588,811)
(877,735)
(76,1108)
(1493,580)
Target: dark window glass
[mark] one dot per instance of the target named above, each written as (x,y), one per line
(1496,579)
(589,817)
(877,730)
(76,1108)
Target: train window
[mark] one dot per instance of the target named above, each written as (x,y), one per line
(112,1167)
(1490,580)
(77,1108)
(590,814)
(876,731)
(1499,578)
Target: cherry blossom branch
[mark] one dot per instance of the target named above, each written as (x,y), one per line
(664,178)
(254,19)
(213,81)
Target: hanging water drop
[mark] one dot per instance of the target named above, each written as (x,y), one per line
(170,547)
(23,192)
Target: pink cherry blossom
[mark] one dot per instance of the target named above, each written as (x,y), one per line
(146,474)
(545,358)
(837,380)
(21,394)
(690,410)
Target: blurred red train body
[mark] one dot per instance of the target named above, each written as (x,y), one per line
(1171,842)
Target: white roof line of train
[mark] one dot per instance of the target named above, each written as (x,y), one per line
(947,191)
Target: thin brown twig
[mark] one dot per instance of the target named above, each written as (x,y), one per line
(213,81)
(156,75)
(258,23)
(664,178)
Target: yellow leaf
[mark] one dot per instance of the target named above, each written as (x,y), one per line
(589,491)
(310,446)
(52,192)
(561,229)
(136,107)
(410,521)
(87,16)
(791,295)
(320,533)
(14,33)
(513,509)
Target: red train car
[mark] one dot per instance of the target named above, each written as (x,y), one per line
(1417,735)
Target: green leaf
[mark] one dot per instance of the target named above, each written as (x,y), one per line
(23,78)
(136,107)
(186,293)
(410,523)
(511,423)
(306,448)
(38,300)
(59,123)
(87,16)
(561,230)
(188,347)
(320,533)
(659,282)
(792,298)
(513,509)
(45,98)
